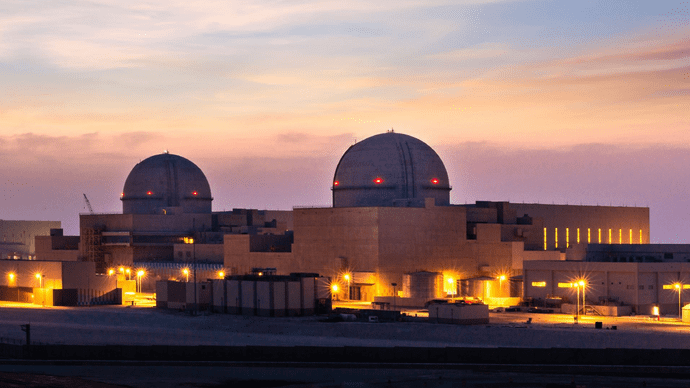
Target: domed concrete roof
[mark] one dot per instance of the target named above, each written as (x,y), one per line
(390,169)
(166,183)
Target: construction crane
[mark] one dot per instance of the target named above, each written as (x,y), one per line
(88,204)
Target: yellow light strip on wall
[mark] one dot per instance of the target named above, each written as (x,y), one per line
(565,285)
(668,286)
(555,236)
(578,235)
(599,235)
(610,236)
(640,236)
(589,236)
(620,236)
(538,284)
(545,238)
(631,236)
(567,237)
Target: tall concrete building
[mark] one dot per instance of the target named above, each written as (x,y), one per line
(392,218)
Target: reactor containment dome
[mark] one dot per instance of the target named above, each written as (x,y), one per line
(390,169)
(166,184)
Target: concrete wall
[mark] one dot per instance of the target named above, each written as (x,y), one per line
(269,296)
(212,253)
(459,313)
(47,248)
(593,218)
(239,259)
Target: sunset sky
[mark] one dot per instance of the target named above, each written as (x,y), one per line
(536,101)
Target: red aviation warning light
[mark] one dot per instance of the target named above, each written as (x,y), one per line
(336,183)
(149,193)
(434,181)
(378,181)
(195,193)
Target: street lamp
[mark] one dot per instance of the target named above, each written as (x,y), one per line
(111,272)
(10,276)
(221,274)
(334,290)
(394,285)
(583,284)
(140,274)
(129,273)
(185,272)
(501,278)
(347,279)
(40,280)
(679,288)
(577,313)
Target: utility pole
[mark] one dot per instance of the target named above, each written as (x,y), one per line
(196,304)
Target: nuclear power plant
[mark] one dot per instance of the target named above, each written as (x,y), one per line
(392,234)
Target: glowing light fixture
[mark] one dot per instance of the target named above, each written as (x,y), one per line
(149,192)
(336,183)
(631,236)
(195,193)
(434,181)
(620,236)
(567,237)
(11,276)
(221,274)
(121,269)
(538,284)
(185,272)
(544,238)
(111,272)
(334,287)
(555,234)
(378,180)
(578,235)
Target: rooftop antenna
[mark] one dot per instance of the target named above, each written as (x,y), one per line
(166,152)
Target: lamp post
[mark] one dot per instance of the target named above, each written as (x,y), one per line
(679,288)
(394,285)
(583,284)
(501,278)
(140,274)
(349,292)
(185,272)
(577,313)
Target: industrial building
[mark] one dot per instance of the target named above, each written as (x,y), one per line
(392,219)
(392,232)
(19,238)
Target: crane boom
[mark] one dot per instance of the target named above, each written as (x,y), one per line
(88,204)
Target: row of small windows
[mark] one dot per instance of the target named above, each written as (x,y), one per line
(630,238)
(570,285)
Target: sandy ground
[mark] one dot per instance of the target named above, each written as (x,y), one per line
(150,326)
(142,326)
